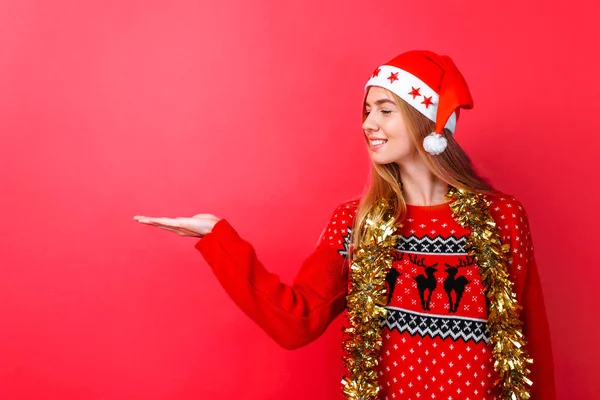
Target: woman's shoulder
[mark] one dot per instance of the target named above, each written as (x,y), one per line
(337,231)
(348,206)
(508,212)
(344,212)
(500,202)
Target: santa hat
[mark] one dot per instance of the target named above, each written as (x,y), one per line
(430,83)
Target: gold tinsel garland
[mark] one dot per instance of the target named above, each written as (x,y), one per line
(471,210)
(367,298)
(366,301)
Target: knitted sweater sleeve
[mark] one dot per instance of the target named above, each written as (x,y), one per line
(293,315)
(514,227)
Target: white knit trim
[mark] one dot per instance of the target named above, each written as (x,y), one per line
(404,85)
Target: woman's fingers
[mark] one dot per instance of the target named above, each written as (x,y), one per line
(166,228)
(161,221)
(167,221)
(144,219)
(179,231)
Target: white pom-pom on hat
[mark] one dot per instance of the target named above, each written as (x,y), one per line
(434,143)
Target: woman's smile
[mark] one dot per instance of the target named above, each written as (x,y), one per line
(377,144)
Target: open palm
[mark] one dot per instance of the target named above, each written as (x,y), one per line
(195,226)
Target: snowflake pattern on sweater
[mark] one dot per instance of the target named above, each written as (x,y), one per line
(435,340)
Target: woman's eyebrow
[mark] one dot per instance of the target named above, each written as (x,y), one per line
(381,101)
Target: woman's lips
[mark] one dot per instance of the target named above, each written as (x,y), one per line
(377,144)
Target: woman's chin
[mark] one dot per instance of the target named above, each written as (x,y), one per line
(379,158)
(387,159)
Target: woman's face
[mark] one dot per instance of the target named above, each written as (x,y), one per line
(388,139)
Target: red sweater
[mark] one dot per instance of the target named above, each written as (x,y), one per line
(435,342)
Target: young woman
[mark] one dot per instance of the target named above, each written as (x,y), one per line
(455,295)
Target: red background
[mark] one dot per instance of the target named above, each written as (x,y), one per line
(250,111)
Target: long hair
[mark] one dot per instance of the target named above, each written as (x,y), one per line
(453,166)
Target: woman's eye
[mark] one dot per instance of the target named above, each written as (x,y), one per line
(382,111)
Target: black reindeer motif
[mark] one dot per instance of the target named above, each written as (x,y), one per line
(424,282)
(392,277)
(456,284)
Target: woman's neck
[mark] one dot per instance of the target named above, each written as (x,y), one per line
(420,187)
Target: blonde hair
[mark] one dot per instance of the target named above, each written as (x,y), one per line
(453,166)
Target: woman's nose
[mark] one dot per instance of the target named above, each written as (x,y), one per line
(369,124)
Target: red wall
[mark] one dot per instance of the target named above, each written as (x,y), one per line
(250,111)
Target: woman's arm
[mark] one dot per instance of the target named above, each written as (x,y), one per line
(537,333)
(292,315)
(513,225)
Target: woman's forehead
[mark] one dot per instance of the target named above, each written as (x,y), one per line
(378,95)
